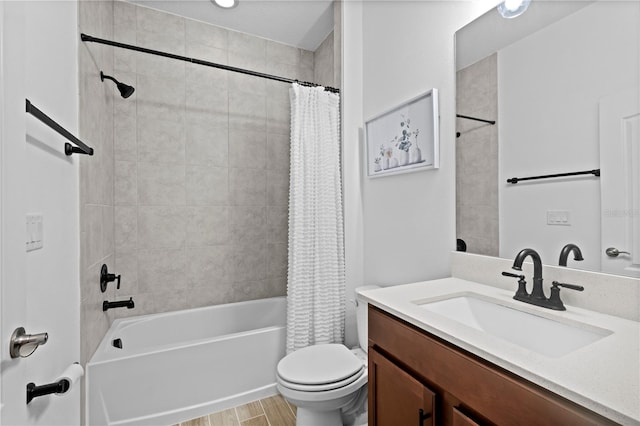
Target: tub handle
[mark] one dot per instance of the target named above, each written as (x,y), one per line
(106,277)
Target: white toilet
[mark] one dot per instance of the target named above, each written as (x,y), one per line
(328,383)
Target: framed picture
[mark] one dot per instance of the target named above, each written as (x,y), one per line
(405,138)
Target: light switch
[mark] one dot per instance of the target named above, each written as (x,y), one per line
(34,231)
(558,217)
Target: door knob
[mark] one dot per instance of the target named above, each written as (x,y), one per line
(23,344)
(614,252)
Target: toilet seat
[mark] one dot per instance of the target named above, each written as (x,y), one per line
(321,365)
(322,387)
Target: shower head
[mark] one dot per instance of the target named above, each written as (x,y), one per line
(125,90)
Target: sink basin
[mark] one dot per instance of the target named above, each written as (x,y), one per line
(539,334)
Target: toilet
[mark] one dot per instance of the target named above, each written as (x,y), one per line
(328,383)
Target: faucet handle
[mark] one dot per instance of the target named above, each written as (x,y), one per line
(522,286)
(509,274)
(557,284)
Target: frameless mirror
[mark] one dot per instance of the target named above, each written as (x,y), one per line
(562,83)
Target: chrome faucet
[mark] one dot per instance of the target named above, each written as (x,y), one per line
(537,296)
(566,250)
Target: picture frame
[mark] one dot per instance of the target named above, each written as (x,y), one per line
(405,138)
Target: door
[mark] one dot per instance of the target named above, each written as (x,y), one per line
(620,182)
(396,397)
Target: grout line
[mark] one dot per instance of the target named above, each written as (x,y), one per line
(265,413)
(235,410)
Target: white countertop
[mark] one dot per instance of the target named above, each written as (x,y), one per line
(603,376)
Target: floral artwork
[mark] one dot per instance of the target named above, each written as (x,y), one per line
(405,138)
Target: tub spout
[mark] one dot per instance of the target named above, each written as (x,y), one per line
(121,304)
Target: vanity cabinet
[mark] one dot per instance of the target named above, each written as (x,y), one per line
(416,378)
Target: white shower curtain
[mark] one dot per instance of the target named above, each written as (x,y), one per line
(316,276)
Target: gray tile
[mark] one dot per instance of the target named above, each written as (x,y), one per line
(169,92)
(283,70)
(278,116)
(247,187)
(126,183)
(207,103)
(278,150)
(208,266)
(205,52)
(158,66)
(93,241)
(161,226)
(248,262)
(247,44)
(213,292)
(126,228)
(161,270)
(124,138)
(277,187)
(278,52)
(207,145)
(306,58)
(207,185)
(161,141)
(277,224)
(160,24)
(247,111)
(198,75)
(126,265)
(248,83)
(277,260)
(161,184)
(108,230)
(247,224)
(207,226)
(211,35)
(247,149)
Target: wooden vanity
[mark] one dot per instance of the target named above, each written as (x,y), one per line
(416,378)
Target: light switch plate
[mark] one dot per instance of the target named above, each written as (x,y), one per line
(34,231)
(558,217)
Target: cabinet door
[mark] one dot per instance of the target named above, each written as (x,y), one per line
(395,397)
(460,419)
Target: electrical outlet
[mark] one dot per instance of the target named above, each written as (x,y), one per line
(558,217)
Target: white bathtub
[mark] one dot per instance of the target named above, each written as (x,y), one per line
(181,365)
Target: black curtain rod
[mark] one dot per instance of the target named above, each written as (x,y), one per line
(492,122)
(69,149)
(88,38)
(595,172)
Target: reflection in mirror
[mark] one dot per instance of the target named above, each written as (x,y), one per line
(547,78)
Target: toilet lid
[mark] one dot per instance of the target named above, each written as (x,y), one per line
(319,365)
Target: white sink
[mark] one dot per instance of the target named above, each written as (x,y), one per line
(539,334)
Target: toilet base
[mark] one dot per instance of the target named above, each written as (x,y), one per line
(306,417)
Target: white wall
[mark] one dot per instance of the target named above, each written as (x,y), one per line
(40,63)
(400,228)
(556,129)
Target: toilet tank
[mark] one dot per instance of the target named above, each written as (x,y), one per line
(362,323)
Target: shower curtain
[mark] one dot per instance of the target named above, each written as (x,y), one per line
(316,275)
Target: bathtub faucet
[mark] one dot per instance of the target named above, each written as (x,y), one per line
(121,304)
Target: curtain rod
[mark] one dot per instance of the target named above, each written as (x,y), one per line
(88,38)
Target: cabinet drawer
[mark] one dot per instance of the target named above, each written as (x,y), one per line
(496,394)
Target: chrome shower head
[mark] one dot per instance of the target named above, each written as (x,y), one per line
(124,89)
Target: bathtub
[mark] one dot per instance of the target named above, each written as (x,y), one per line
(181,365)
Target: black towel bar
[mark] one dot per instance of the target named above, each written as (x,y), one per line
(595,172)
(69,149)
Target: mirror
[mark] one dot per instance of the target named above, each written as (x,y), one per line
(542,77)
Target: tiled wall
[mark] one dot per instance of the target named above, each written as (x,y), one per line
(96,172)
(477,157)
(201,164)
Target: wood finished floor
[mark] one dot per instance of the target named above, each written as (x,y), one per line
(272,411)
